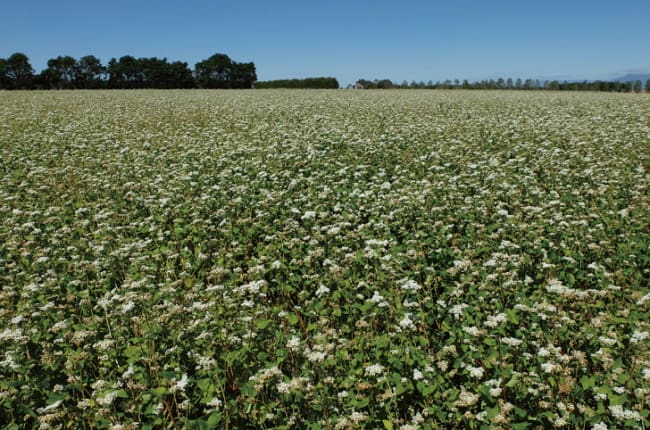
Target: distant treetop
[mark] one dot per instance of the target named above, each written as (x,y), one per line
(66,72)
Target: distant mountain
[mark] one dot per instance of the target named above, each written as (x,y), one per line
(631,77)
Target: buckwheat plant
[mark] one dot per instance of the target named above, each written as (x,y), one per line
(324,259)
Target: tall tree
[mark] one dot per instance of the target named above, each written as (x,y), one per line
(244,75)
(126,72)
(214,72)
(90,72)
(61,72)
(219,71)
(4,80)
(638,86)
(180,75)
(18,72)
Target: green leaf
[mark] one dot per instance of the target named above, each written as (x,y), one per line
(133,352)
(388,425)
(511,316)
(520,426)
(492,412)
(615,400)
(292,318)
(425,389)
(513,381)
(262,324)
(159,391)
(587,382)
(203,384)
(214,419)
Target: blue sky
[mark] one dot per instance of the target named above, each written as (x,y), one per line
(405,40)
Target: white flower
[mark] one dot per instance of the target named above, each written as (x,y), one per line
(457,310)
(12,334)
(473,331)
(621,414)
(374,370)
(495,392)
(215,402)
(643,299)
(409,285)
(646,373)
(607,340)
(316,356)
(378,299)
(127,307)
(511,341)
(475,372)
(407,323)
(466,398)
(417,375)
(358,417)
(548,367)
(308,215)
(50,407)
(494,320)
(599,426)
(638,336)
(293,343)
(108,398)
(322,289)
(129,373)
(283,387)
(180,385)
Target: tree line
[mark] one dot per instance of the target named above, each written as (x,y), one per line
(66,72)
(509,84)
(313,83)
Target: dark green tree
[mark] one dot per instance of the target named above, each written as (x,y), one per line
(638,86)
(61,72)
(125,73)
(243,75)
(214,72)
(4,80)
(90,72)
(17,72)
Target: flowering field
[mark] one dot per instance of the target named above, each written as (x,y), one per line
(315,259)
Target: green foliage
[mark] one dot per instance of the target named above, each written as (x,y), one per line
(219,71)
(126,73)
(16,72)
(324,259)
(502,84)
(311,83)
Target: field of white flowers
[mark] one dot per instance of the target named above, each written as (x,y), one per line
(324,259)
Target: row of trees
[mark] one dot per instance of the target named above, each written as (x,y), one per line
(65,72)
(314,83)
(510,84)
